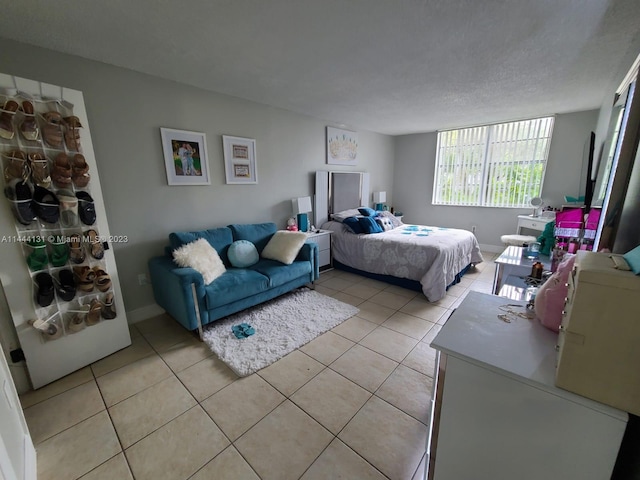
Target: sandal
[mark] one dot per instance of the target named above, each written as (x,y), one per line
(16,165)
(44,292)
(29,126)
(18,192)
(39,166)
(80,174)
(6,119)
(95,309)
(52,130)
(68,208)
(75,246)
(59,252)
(51,330)
(71,133)
(86,208)
(84,277)
(96,249)
(62,171)
(46,205)
(109,307)
(65,286)
(77,322)
(37,259)
(102,279)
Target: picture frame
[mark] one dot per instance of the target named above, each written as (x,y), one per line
(342,146)
(240,165)
(185,157)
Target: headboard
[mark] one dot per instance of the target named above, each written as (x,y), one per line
(337,191)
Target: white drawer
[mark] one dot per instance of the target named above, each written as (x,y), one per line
(532,224)
(324,258)
(323,241)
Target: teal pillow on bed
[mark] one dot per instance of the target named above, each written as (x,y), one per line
(353,224)
(367,212)
(369,225)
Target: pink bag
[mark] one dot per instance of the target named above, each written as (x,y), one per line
(549,301)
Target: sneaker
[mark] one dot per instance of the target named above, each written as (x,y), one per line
(66,286)
(46,205)
(18,192)
(86,208)
(44,291)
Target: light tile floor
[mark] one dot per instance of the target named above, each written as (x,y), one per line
(353,403)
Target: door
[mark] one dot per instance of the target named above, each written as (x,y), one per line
(17,454)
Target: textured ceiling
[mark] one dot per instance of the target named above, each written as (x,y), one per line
(389,66)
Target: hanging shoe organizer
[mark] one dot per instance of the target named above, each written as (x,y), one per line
(57,266)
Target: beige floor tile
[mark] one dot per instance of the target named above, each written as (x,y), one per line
(375,283)
(390,300)
(329,292)
(206,377)
(364,367)
(386,437)
(424,310)
(239,406)
(337,283)
(445,316)
(229,465)
(464,282)
(428,338)
(331,399)
(326,275)
(50,417)
(186,353)
(374,312)
(178,449)
(72,380)
(354,328)
(284,443)
(422,358)
(362,291)
(459,289)
(78,450)
(162,332)
(327,347)
(482,287)
(339,461)
(410,391)
(389,343)
(446,301)
(409,325)
(350,277)
(139,415)
(114,468)
(405,292)
(291,372)
(131,379)
(138,349)
(346,298)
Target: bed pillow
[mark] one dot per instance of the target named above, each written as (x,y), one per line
(394,220)
(353,224)
(243,254)
(367,212)
(340,216)
(369,225)
(385,223)
(202,257)
(284,246)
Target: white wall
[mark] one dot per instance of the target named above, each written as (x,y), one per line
(415,167)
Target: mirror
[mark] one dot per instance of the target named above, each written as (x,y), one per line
(536,203)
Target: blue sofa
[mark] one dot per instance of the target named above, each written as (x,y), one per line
(184,296)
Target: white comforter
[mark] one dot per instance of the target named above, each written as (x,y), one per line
(431,255)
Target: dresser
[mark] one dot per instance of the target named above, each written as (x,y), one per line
(323,239)
(527,223)
(497,413)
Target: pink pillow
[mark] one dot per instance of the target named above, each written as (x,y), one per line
(549,301)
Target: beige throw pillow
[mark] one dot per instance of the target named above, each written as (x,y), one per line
(284,246)
(202,257)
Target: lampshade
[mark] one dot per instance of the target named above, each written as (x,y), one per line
(379,197)
(301,205)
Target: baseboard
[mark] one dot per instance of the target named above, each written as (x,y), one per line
(492,248)
(139,314)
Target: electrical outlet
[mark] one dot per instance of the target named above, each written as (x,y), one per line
(473,229)
(143,279)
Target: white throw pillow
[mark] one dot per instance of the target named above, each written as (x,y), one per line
(202,257)
(284,246)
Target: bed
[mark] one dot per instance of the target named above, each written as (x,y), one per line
(431,257)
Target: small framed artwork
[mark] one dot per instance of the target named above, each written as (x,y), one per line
(239,160)
(185,157)
(342,146)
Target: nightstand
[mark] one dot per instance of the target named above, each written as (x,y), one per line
(323,239)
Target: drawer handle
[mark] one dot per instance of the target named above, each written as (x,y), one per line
(561,328)
(566,284)
(564,312)
(557,348)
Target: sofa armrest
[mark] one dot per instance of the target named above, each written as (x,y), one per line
(309,253)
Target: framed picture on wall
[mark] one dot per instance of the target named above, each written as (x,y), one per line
(342,146)
(239,160)
(185,157)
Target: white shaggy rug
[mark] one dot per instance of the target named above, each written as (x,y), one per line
(282,325)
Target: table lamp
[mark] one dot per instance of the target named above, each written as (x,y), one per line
(378,199)
(301,206)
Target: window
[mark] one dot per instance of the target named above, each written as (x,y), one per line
(499,165)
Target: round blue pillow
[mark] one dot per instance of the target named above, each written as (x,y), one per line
(242,254)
